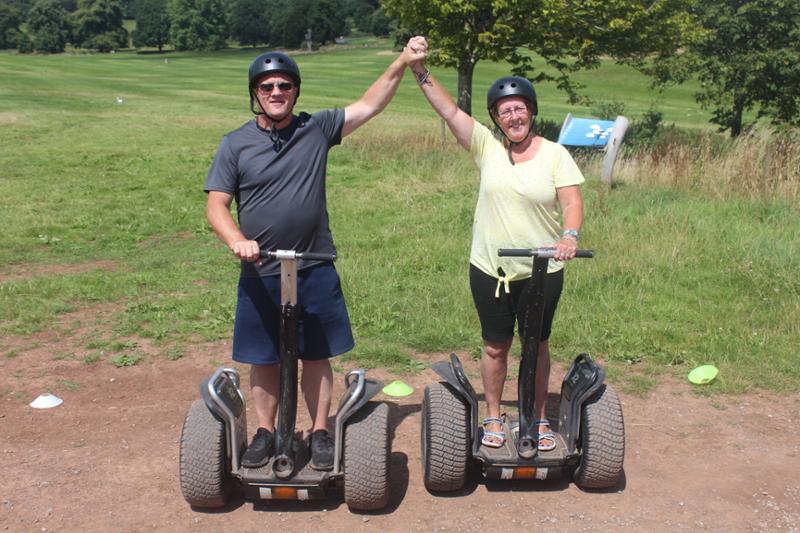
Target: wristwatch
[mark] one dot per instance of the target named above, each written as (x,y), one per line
(572,233)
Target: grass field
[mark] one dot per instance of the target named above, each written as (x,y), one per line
(103,158)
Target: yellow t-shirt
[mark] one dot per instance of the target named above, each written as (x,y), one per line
(517,204)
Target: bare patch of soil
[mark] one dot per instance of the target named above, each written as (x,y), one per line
(27,271)
(107,460)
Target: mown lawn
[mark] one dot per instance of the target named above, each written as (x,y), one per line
(103,157)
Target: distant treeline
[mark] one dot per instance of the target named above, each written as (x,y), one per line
(48,26)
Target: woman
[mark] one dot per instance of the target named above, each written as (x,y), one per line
(524,178)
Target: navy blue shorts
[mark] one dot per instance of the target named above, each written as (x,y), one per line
(498,315)
(324,323)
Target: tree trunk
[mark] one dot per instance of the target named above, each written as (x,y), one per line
(465,70)
(736,118)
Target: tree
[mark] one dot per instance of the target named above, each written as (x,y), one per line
(152,24)
(249,21)
(98,25)
(293,18)
(361,13)
(568,34)
(747,57)
(48,26)
(198,24)
(9,25)
(381,24)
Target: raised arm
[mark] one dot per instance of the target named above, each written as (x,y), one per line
(380,93)
(459,122)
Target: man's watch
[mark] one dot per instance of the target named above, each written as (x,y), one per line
(572,233)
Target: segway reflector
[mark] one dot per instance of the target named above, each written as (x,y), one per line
(703,374)
(283,493)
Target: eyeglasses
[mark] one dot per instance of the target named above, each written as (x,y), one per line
(507,113)
(267,88)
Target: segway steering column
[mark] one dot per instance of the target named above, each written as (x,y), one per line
(284,462)
(527,445)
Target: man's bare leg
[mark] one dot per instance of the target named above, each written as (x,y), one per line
(317,385)
(265,384)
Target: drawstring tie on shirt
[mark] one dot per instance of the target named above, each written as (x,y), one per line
(502,280)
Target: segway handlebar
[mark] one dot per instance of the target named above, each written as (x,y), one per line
(545,253)
(291,254)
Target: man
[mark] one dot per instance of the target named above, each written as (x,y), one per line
(275,166)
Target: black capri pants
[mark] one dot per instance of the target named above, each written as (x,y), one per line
(498,315)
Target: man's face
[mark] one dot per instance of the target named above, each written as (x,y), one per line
(277,94)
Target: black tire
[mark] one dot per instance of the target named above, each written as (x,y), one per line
(203,472)
(367,451)
(445,439)
(602,441)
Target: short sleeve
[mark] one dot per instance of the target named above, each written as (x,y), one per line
(223,175)
(481,140)
(330,121)
(567,172)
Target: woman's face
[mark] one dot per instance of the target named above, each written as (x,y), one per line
(513,114)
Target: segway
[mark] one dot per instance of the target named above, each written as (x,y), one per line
(214,434)
(590,437)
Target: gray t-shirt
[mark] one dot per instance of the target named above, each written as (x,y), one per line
(279,184)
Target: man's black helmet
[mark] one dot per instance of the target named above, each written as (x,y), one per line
(273,62)
(511,86)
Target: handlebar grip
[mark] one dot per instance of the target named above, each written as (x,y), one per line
(539,252)
(515,252)
(291,254)
(314,256)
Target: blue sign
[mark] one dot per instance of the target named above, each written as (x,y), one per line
(585,132)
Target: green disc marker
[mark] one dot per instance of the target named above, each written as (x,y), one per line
(397,388)
(703,374)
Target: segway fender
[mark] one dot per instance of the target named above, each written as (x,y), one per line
(359,390)
(585,377)
(453,373)
(224,399)
(371,388)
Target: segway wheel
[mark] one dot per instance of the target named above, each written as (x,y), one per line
(445,439)
(366,458)
(203,472)
(602,442)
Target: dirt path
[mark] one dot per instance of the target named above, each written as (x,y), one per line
(106,460)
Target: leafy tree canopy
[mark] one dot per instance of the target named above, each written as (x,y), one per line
(293,18)
(152,24)
(249,21)
(48,26)
(198,24)
(98,25)
(9,25)
(747,57)
(568,34)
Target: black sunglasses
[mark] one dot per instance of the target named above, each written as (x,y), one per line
(283,87)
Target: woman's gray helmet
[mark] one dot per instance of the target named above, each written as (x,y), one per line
(272,63)
(512,86)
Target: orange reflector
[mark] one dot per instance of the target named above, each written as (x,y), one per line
(284,493)
(525,472)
